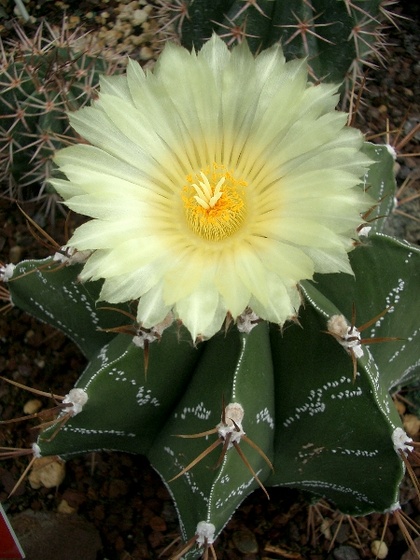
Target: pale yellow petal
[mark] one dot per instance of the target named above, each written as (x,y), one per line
(92,169)
(187,271)
(95,234)
(64,188)
(235,294)
(151,309)
(198,310)
(134,284)
(116,86)
(196,98)
(279,306)
(215,54)
(124,258)
(287,261)
(252,272)
(305,232)
(326,261)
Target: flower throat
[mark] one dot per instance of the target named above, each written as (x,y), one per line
(214,203)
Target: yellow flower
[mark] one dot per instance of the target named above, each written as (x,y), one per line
(215,183)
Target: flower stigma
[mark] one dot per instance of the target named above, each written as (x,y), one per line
(214,203)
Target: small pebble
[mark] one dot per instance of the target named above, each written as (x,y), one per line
(32,406)
(379,549)
(411,424)
(64,507)
(48,472)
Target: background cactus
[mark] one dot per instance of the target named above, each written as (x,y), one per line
(338,37)
(302,406)
(40,79)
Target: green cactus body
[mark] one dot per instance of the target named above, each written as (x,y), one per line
(302,405)
(336,36)
(240,368)
(41,80)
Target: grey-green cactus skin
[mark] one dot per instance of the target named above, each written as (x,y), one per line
(316,424)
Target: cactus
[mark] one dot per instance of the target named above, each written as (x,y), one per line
(338,37)
(220,411)
(41,79)
(266,407)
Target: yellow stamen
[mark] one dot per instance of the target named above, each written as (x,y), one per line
(214,203)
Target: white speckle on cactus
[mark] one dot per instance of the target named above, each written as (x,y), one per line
(77,398)
(338,451)
(394,295)
(265,416)
(170,451)
(199,411)
(317,398)
(96,432)
(348,336)
(410,254)
(392,299)
(36,450)
(401,441)
(247,321)
(239,490)
(312,301)
(6,272)
(205,533)
(144,396)
(320,486)
(232,424)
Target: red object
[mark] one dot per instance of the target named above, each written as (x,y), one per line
(10,548)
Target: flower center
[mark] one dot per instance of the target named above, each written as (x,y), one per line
(214,203)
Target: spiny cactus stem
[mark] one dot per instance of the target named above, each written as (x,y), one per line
(350,7)
(248,4)
(179,8)
(236,32)
(230,434)
(304,27)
